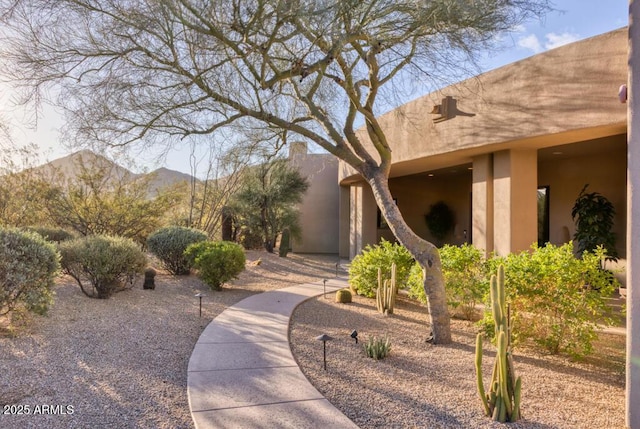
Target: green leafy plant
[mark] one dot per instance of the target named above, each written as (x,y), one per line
(217,262)
(102,265)
(440,221)
(465,275)
(558,300)
(502,402)
(169,244)
(363,271)
(343,296)
(593,215)
(28,267)
(377,348)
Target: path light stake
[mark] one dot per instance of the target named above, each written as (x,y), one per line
(324,338)
(199,295)
(324,284)
(354,335)
(337,265)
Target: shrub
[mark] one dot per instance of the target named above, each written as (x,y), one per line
(28,267)
(363,271)
(169,244)
(465,275)
(343,296)
(217,262)
(108,264)
(56,235)
(556,299)
(377,348)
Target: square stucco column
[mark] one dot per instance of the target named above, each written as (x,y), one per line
(344,223)
(515,207)
(482,203)
(362,219)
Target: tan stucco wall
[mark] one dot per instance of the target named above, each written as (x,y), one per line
(561,96)
(604,171)
(319,210)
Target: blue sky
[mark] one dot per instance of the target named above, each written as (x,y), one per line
(573,20)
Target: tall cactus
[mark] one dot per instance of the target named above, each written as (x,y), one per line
(502,402)
(386,292)
(285,243)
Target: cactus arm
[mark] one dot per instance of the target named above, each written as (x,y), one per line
(481,392)
(502,375)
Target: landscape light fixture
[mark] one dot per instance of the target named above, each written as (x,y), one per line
(324,338)
(337,266)
(324,285)
(354,335)
(199,295)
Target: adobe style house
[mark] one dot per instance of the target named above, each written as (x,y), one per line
(502,147)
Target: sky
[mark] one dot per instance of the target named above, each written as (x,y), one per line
(572,20)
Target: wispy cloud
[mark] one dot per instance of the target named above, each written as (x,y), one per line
(553,40)
(530,42)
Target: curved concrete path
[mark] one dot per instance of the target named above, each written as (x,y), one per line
(242,374)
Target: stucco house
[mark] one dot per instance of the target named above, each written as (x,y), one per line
(490,147)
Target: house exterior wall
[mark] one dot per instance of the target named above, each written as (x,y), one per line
(504,118)
(319,210)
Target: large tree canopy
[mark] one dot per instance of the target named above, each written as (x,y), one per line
(127,70)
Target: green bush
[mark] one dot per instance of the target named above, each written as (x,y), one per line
(377,348)
(217,262)
(51,234)
(28,267)
(556,299)
(108,264)
(169,244)
(465,275)
(363,271)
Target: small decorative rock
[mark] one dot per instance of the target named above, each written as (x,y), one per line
(149,279)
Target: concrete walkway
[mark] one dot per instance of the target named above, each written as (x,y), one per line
(242,374)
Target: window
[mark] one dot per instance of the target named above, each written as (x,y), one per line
(543,215)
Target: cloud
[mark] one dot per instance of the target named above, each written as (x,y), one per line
(555,40)
(530,42)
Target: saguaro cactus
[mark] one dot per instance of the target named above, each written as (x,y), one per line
(502,402)
(386,292)
(285,243)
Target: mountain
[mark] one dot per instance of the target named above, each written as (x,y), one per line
(70,167)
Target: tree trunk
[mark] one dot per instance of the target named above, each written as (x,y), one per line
(425,253)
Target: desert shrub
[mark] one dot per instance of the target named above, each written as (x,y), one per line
(169,244)
(556,299)
(343,296)
(377,348)
(465,275)
(102,265)
(217,262)
(28,267)
(363,271)
(51,234)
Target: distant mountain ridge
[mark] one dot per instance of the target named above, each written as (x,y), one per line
(70,167)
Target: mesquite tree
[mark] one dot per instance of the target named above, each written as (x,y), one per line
(127,70)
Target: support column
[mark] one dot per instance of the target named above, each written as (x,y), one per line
(633,222)
(482,203)
(362,222)
(515,185)
(344,211)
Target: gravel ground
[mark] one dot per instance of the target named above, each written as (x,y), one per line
(122,362)
(424,386)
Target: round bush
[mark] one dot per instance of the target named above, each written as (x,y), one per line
(217,262)
(363,271)
(28,267)
(56,235)
(102,265)
(169,244)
